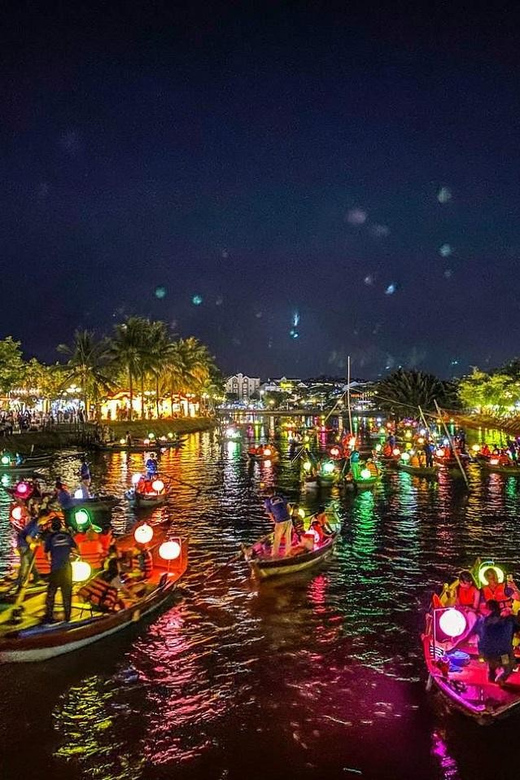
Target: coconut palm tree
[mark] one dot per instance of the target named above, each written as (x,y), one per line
(127,349)
(189,366)
(404,391)
(155,348)
(87,365)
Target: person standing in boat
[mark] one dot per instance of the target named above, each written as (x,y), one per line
(428,454)
(152,468)
(63,496)
(495,632)
(84,473)
(128,439)
(277,509)
(59,545)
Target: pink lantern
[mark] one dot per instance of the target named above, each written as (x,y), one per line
(22,488)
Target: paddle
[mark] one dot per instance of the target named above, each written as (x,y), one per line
(16,610)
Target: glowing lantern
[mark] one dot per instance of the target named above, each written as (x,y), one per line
(483,569)
(328,467)
(405,456)
(81,518)
(301,513)
(22,488)
(307,465)
(452,623)
(378,448)
(78,493)
(267,463)
(408,435)
(81,571)
(122,441)
(146,441)
(439,453)
(476,448)
(143,533)
(136,478)
(396,452)
(151,435)
(494,461)
(334,451)
(158,485)
(169,551)
(366,473)
(267,451)
(16,513)
(6,460)
(420,440)
(170,435)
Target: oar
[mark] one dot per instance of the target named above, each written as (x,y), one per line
(15,609)
(235,558)
(188,484)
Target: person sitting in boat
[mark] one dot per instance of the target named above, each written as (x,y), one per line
(467,595)
(128,439)
(84,473)
(387,451)
(372,467)
(504,593)
(496,632)
(63,496)
(105,590)
(277,509)
(152,467)
(485,451)
(320,524)
(297,523)
(83,489)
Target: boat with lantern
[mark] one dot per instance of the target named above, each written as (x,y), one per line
(145,445)
(363,476)
(311,553)
(96,503)
(148,493)
(453,661)
(501,465)
(23,637)
(264,452)
(412,464)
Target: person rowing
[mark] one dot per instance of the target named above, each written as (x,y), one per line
(152,467)
(276,507)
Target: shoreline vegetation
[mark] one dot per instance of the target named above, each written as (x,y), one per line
(78,435)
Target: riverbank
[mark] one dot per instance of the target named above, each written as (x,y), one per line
(77,436)
(475,421)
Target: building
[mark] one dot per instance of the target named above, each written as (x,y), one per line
(242,386)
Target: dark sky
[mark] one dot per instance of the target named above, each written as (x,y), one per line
(359,167)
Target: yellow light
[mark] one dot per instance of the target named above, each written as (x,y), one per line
(396,451)
(408,435)
(476,448)
(81,571)
(122,441)
(484,567)
(420,440)
(267,451)
(494,461)
(143,533)
(307,465)
(301,512)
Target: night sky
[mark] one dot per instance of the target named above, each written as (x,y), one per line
(351,175)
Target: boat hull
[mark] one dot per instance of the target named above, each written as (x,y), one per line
(278,567)
(419,471)
(510,471)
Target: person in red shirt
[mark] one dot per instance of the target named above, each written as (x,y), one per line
(467,595)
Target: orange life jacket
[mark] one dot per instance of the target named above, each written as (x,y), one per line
(92,552)
(41,562)
(499,594)
(98,592)
(466,596)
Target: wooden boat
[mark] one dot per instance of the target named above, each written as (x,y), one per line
(361,482)
(145,497)
(267,453)
(31,641)
(418,471)
(99,503)
(263,565)
(463,678)
(495,468)
(19,469)
(141,447)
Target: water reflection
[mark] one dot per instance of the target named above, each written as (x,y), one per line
(317,674)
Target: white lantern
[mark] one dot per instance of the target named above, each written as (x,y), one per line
(143,533)
(169,551)
(81,571)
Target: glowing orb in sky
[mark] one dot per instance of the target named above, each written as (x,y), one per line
(444,195)
(445,250)
(196,300)
(390,290)
(160,292)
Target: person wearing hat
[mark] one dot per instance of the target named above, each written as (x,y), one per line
(59,545)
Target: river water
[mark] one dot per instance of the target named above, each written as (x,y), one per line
(315,676)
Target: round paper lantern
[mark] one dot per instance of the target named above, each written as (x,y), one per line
(151,435)
(136,478)
(22,488)
(334,451)
(452,623)
(439,453)
(366,474)
(122,441)
(307,465)
(5,460)
(16,513)
(169,551)
(396,451)
(81,571)
(405,456)
(476,448)
(170,435)
(78,493)
(267,451)
(328,467)
(378,448)
(158,485)
(81,518)
(143,533)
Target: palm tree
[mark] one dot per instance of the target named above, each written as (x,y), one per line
(155,348)
(404,391)
(127,349)
(188,368)
(87,365)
